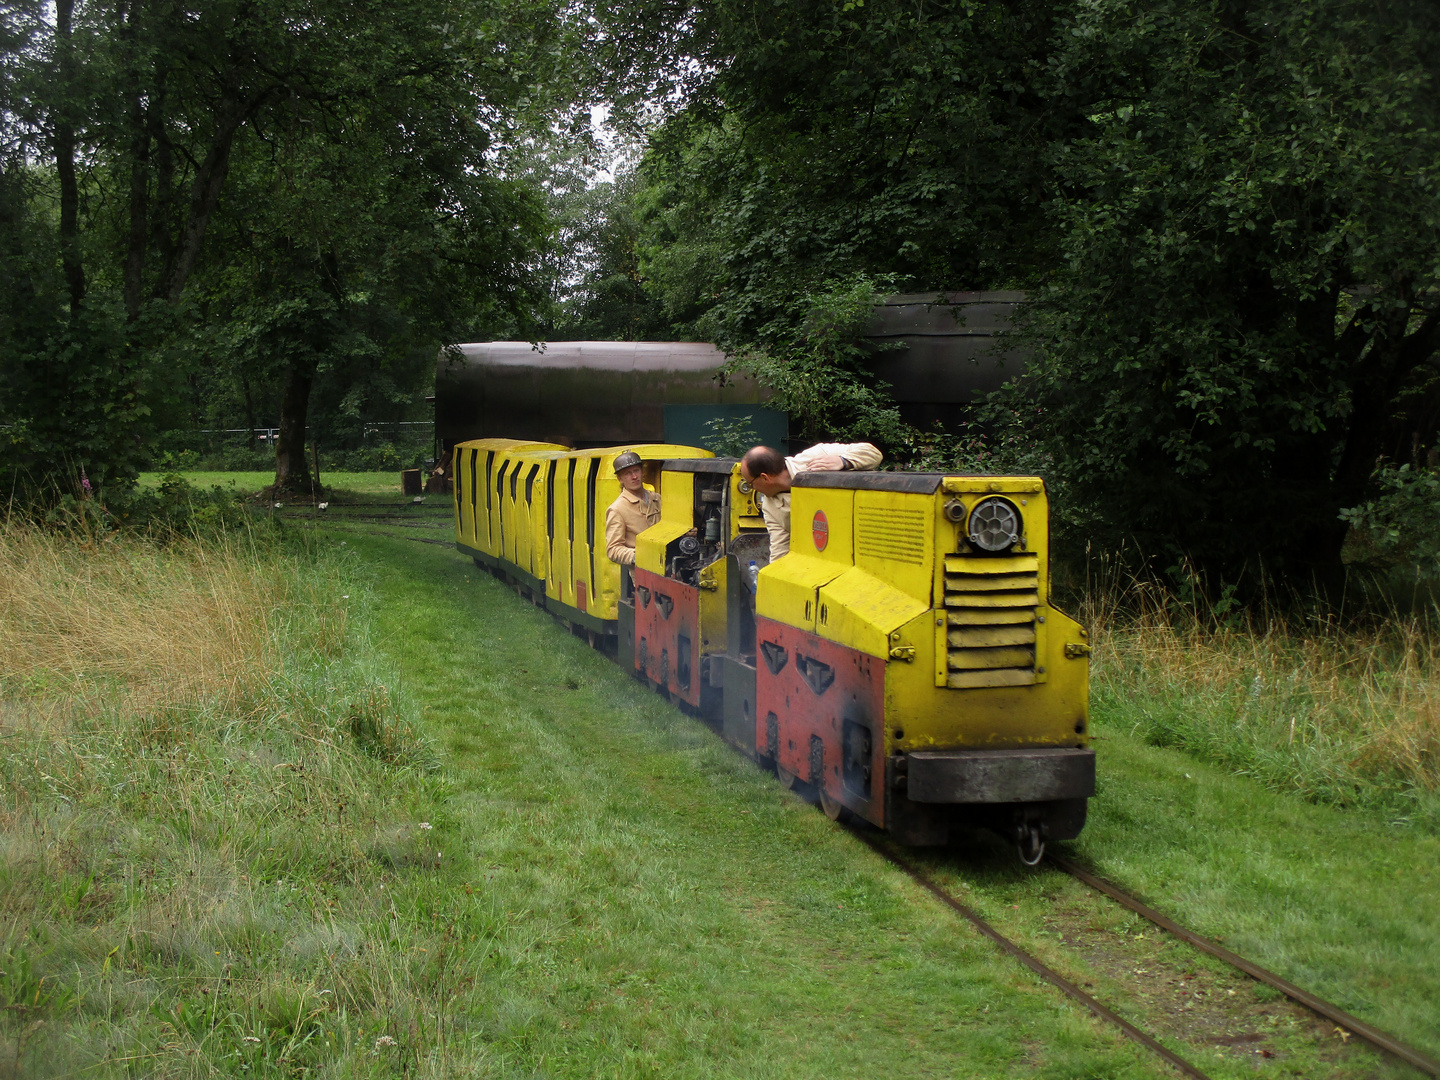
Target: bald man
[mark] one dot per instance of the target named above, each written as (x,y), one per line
(771,473)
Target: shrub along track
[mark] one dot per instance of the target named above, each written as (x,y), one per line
(1336,1055)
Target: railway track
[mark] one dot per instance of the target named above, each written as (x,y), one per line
(1318,1005)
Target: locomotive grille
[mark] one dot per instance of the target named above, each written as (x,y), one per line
(890,533)
(990,609)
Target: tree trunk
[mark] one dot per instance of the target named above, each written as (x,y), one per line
(292,472)
(64,141)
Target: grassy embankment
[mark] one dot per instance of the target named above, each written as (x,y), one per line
(1344,716)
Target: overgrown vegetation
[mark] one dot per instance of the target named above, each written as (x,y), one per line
(200,752)
(1342,713)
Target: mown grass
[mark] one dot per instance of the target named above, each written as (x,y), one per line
(1339,714)
(354,483)
(233,845)
(1334,901)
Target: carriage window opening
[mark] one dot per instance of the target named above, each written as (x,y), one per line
(550,501)
(500,510)
(489,501)
(515,479)
(590,479)
(474,490)
(570,493)
(530,483)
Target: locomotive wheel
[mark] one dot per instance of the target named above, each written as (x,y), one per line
(784,775)
(834,809)
(1031,844)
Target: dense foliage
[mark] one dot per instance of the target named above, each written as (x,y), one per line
(207,211)
(1226,216)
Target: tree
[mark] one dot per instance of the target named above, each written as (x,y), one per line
(1226,215)
(1247,310)
(135,116)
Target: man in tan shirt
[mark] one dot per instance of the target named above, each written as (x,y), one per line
(632,513)
(770,473)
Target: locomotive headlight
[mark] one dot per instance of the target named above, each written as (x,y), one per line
(995,524)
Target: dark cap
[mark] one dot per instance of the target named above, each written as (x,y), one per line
(627,459)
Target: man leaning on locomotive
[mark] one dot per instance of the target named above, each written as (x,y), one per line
(770,473)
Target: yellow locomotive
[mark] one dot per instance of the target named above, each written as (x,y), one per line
(903,662)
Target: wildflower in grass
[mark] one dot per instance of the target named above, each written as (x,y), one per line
(426,825)
(250,1039)
(384,1040)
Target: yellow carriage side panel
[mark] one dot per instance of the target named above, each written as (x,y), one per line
(677,495)
(475,497)
(895,539)
(464,505)
(862,612)
(583,556)
(561,583)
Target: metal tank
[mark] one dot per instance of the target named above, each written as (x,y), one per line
(939,352)
(952,352)
(586,394)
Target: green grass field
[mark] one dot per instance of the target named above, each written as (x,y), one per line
(429,833)
(346,483)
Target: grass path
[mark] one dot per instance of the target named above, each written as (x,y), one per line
(670,912)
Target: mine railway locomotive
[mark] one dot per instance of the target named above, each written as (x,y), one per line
(903,663)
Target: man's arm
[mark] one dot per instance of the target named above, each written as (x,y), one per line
(777,524)
(615,539)
(832,457)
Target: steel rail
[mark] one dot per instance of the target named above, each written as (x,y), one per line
(1051,976)
(1319,1005)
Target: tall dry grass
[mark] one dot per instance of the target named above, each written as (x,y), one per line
(1337,712)
(185,727)
(143,626)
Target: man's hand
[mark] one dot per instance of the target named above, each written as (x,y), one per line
(827,463)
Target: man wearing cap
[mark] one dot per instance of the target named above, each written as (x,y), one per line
(771,473)
(632,513)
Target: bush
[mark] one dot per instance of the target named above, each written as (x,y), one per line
(1402,523)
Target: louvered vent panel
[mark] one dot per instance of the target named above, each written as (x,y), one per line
(990,605)
(890,534)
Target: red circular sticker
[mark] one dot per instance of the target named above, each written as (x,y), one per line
(820,530)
